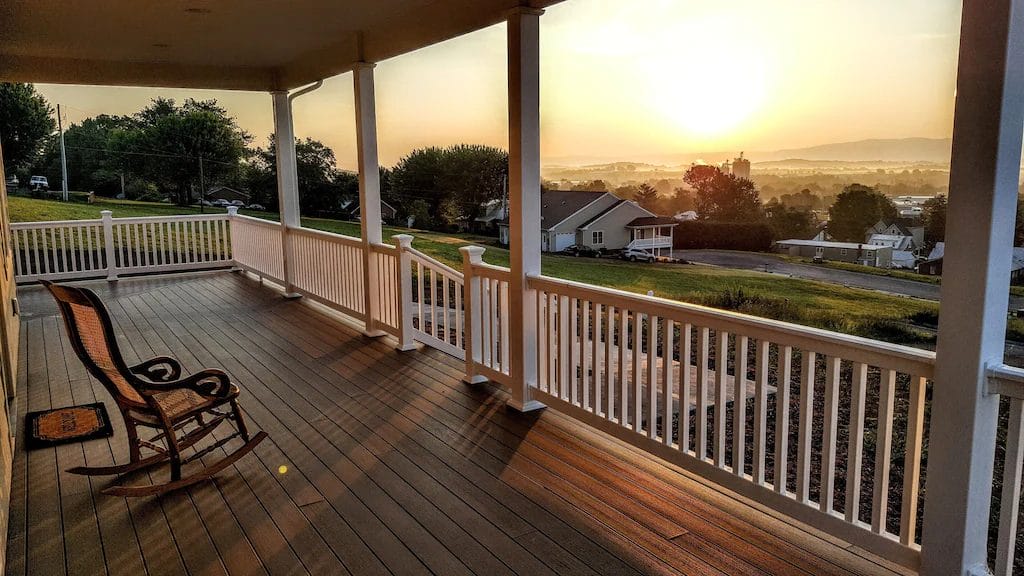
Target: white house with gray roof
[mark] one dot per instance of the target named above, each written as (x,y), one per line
(599,220)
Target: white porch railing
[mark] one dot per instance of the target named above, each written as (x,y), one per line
(651,243)
(810,423)
(111,246)
(664,376)
(256,246)
(437,303)
(1008,382)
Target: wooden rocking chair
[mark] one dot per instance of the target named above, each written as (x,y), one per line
(152,395)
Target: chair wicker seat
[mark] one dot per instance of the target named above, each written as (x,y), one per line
(152,394)
(177,404)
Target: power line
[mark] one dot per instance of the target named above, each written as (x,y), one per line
(154,154)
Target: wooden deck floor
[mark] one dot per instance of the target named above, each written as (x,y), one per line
(378,462)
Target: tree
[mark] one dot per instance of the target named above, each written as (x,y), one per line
(415,177)
(165,143)
(322,187)
(453,182)
(93,163)
(592,186)
(724,197)
(647,197)
(473,175)
(789,222)
(682,201)
(1018,229)
(700,177)
(25,122)
(933,216)
(856,209)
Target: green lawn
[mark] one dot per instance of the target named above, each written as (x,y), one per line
(805,302)
(851,267)
(24,209)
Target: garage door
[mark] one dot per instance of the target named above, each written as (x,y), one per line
(564,240)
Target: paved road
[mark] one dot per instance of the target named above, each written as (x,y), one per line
(774,264)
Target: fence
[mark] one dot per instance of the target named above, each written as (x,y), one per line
(111,246)
(825,428)
(1008,383)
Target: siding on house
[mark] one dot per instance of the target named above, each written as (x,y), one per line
(570,223)
(878,256)
(613,223)
(571,217)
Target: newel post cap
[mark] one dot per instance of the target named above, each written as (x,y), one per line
(472,254)
(403,240)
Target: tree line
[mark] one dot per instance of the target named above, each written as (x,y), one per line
(172,151)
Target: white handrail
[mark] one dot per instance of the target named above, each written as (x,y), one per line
(72,249)
(907,359)
(434,263)
(660,375)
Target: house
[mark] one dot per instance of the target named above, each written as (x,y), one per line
(350,210)
(598,220)
(388,459)
(227,193)
(933,265)
(906,242)
(492,214)
(864,254)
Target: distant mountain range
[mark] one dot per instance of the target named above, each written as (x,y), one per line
(887,150)
(935,150)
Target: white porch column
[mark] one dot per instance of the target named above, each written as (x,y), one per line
(287,179)
(369,189)
(984,172)
(524,199)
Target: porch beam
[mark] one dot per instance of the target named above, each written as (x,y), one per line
(524,200)
(287,180)
(984,174)
(369,189)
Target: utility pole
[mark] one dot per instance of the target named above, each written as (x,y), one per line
(63,157)
(202,187)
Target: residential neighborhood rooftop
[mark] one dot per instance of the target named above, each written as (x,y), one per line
(645,221)
(831,244)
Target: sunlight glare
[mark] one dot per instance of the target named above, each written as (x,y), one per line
(711,79)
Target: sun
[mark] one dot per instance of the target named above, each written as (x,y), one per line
(711,86)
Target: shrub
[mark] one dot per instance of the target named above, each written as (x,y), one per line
(754,237)
(925,317)
(892,331)
(754,304)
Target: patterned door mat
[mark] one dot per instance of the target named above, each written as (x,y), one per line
(48,428)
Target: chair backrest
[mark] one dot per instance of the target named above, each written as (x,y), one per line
(92,337)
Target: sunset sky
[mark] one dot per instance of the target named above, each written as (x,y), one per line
(642,80)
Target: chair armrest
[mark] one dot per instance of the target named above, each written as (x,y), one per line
(211,383)
(159,369)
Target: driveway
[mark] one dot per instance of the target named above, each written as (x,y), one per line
(774,264)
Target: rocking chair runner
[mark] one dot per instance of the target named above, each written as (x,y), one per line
(152,395)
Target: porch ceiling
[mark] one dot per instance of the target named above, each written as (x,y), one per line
(231,44)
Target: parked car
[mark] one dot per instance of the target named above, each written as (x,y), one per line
(12,181)
(587,251)
(220,202)
(637,255)
(256,207)
(37,183)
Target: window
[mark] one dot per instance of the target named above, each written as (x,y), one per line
(597,237)
(842,251)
